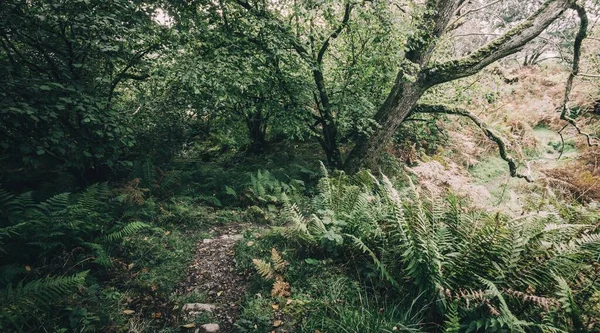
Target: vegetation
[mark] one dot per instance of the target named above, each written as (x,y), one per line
(148,143)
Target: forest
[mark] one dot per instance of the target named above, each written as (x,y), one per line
(320,166)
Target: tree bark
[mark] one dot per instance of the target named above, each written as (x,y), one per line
(257,129)
(400,101)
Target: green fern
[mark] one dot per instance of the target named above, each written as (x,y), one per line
(433,248)
(567,301)
(127,230)
(39,293)
(452,320)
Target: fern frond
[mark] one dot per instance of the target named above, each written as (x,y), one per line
(568,304)
(127,230)
(585,241)
(279,263)
(280,289)
(101,257)
(56,205)
(6,199)
(41,293)
(452,321)
(382,269)
(264,268)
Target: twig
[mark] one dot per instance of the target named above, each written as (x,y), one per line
(588,75)
(470,11)
(565,113)
(562,140)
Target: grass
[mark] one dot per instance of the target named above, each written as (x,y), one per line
(324,297)
(489,170)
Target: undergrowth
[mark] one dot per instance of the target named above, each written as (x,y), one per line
(365,256)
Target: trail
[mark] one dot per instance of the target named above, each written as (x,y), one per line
(213,273)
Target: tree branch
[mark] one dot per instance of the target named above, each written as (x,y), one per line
(335,33)
(507,44)
(444,109)
(588,75)
(294,42)
(565,113)
(470,11)
(435,21)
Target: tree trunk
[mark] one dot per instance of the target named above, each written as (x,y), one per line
(404,95)
(329,140)
(402,98)
(330,145)
(257,130)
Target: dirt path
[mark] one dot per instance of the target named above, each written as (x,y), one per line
(213,273)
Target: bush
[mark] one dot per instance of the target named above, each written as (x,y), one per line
(48,248)
(468,270)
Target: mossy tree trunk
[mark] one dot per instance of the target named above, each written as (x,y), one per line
(417,74)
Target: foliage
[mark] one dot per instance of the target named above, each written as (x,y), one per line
(63,63)
(491,272)
(266,190)
(64,233)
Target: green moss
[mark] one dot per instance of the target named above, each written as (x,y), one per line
(488,169)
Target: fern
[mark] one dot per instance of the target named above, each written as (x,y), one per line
(452,320)
(278,263)
(264,268)
(365,249)
(567,301)
(40,293)
(125,231)
(441,253)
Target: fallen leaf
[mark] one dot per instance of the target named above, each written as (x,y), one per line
(277,323)
(28,268)
(130,266)
(167,233)
(275,306)
(219,293)
(190,325)
(395,328)
(289,301)
(250,243)
(128,312)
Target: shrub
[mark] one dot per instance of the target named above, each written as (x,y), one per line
(470,270)
(46,247)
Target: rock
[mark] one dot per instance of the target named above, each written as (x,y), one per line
(198,307)
(210,328)
(235,237)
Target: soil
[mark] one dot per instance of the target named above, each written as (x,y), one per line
(213,273)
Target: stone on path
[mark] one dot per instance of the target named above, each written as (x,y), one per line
(210,328)
(198,307)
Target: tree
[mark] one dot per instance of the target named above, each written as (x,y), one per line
(335,42)
(419,73)
(62,64)
(418,68)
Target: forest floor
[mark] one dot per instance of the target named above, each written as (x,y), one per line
(213,274)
